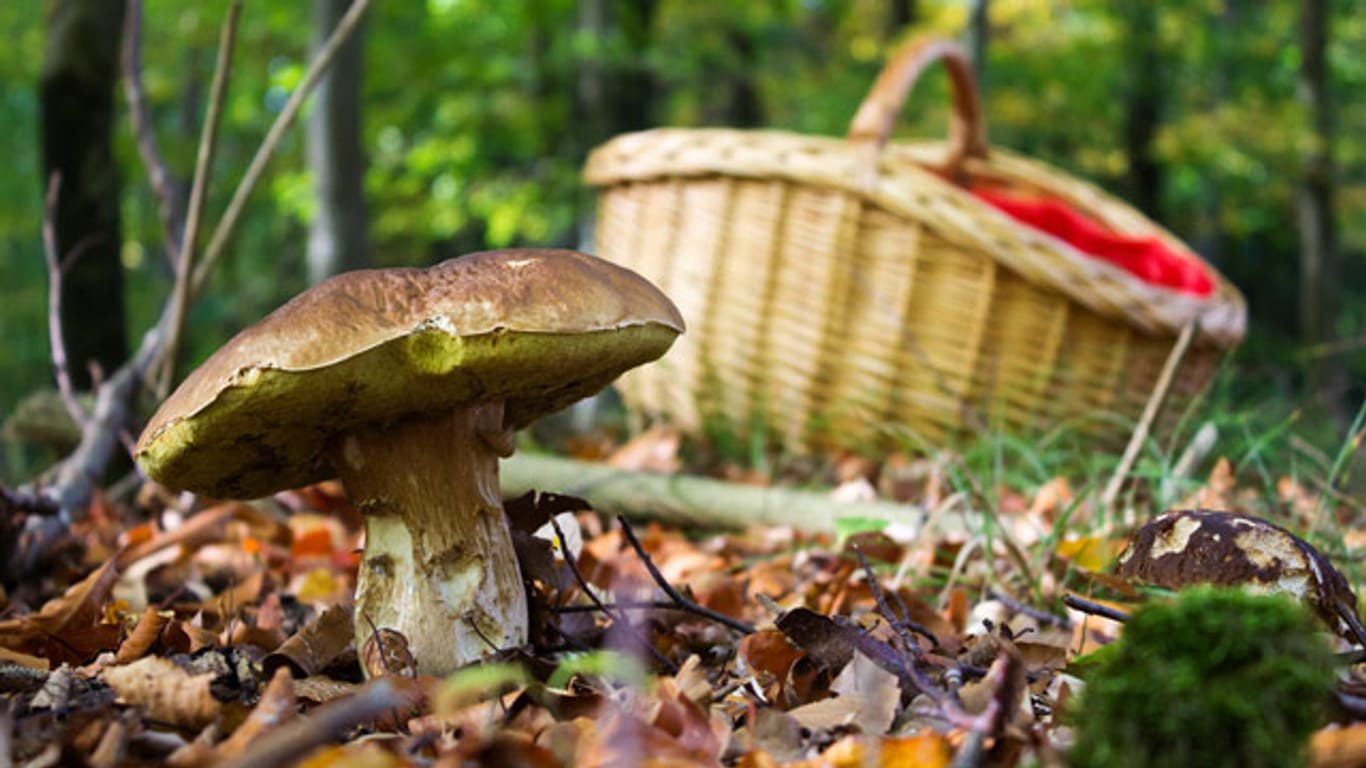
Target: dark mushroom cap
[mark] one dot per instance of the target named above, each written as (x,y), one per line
(536,329)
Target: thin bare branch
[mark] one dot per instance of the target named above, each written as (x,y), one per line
(618,619)
(1079,603)
(61,366)
(163,184)
(345,28)
(208,143)
(679,600)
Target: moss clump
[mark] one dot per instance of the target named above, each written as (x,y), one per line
(1215,677)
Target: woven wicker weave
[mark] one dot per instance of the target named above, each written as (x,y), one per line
(847,293)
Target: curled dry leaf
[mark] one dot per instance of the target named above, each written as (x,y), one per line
(317,645)
(386,652)
(143,636)
(1225,548)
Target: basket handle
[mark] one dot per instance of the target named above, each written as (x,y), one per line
(877,115)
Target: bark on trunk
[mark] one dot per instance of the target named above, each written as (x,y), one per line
(80,67)
(339,237)
(1319,269)
(1143,106)
(978,35)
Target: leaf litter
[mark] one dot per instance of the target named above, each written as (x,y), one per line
(224,636)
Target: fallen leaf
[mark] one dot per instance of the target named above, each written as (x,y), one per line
(165,691)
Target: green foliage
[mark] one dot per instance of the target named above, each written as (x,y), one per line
(477,121)
(1214,677)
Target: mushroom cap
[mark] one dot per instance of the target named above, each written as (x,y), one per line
(537,329)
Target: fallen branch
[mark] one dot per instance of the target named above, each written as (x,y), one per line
(61,366)
(687,500)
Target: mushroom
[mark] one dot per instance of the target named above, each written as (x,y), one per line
(408,384)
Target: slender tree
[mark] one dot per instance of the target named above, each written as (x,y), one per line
(79,73)
(1319,270)
(1143,104)
(979,33)
(339,237)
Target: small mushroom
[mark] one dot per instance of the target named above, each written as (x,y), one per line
(409,384)
(1201,546)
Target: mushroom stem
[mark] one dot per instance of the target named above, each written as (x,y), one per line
(439,563)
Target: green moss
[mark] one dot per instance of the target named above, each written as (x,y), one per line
(1215,677)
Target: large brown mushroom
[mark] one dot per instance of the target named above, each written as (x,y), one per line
(409,384)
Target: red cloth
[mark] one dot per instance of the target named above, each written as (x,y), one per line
(1145,257)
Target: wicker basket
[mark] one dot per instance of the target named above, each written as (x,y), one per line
(852,294)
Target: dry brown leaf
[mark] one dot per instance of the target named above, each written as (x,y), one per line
(165,692)
(1051,497)
(925,750)
(67,628)
(277,705)
(654,450)
(316,645)
(143,636)
(1338,747)
(24,660)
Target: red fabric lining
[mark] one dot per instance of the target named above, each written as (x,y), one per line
(1148,258)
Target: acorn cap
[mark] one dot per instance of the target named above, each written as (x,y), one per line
(537,329)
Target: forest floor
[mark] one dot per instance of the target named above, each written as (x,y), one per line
(188,632)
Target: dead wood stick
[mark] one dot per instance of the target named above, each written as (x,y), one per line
(688,500)
(1145,422)
(61,366)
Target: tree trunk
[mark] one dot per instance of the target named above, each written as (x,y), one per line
(979,31)
(1143,105)
(1319,269)
(80,70)
(339,237)
(900,14)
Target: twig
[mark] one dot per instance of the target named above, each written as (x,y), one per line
(1079,603)
(283,121)
(168,203)
(617,620)
(208,143)
(287,743)
(1145,422)
(1043,617)
(900,618)
(619,605)
(679,600)
(61,366)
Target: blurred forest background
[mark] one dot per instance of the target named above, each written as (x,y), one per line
(454,125)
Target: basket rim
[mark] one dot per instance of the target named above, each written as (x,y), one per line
(900,178)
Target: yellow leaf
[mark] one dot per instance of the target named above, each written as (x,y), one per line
(1091,553)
